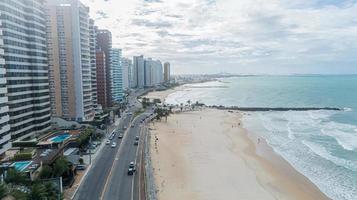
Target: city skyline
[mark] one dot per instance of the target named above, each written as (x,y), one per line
(247,37)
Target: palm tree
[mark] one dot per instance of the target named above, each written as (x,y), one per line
(38,191)
(3,190)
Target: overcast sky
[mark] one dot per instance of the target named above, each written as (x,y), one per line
(236,36)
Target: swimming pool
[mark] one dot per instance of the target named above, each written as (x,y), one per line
(21,165)
(59,138)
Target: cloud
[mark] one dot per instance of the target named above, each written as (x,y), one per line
(245,36)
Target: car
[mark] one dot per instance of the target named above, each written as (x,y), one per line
(114,144)
(80,167)
(131,171)
(136,138)
(120,136)
(132,126)
(125,127)
(136,143)
(131,165)
(107,142)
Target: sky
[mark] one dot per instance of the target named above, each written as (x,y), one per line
(235,36)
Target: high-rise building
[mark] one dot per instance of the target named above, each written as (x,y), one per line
(138,72)
(70,60)
(92,46)
(153,72)
(101,78)
(167,72)
(127,75)
(4,109)
(117,76)
(104,42)
(25,53)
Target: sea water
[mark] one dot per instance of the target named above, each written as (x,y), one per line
(322,145)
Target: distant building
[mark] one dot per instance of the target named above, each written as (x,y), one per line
(70,60)
(153,72)
(127,66)
(166,72)
(104,43)
(26,87)
(138,72)
(117,76)
(101,79)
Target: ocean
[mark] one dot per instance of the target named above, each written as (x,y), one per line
(322,145)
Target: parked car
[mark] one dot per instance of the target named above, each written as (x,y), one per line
(136,138)
(107,142)
(120,136)
(80,167)
(136,143)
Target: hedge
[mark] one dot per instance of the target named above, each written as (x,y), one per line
(22,156)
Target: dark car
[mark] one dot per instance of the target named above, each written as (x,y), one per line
(80,167)
(130,171)
(120,136)
(136,143)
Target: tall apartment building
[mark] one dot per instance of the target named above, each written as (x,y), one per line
(149,72)
(5,135)
(101,78)
(104,42)
(70,60)
(167,72)
(26,64)
(92,46)
(138,72)
(117,75)
(127,66)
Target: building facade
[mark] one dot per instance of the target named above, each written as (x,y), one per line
(117,75)
(101,79)
(92,47)
(70,60)
(127,66)
(167,72)
(138,72)
(26,63)
(104,43)
(4,109)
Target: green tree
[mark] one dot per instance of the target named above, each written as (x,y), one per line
(13,176)
(3,190)
(51,191)
(46,172)
(38,192)
(60,167)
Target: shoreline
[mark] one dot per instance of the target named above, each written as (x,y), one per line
(273,173)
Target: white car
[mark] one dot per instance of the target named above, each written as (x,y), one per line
(114,144)
(107,142)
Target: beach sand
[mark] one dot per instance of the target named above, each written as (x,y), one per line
(207,155)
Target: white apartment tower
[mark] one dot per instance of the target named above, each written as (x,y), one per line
(25,53)
(92,46)
(138,72)
(5,135)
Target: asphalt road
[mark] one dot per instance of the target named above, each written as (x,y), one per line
(107,178)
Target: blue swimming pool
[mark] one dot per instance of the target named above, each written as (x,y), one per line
(21,165)
(59,138)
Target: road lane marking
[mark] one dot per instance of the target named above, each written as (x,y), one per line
(117,154)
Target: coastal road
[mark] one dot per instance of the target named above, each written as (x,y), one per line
(107,178)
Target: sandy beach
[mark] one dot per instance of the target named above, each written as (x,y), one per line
(208,155)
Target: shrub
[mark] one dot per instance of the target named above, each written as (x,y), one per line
(22,156)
